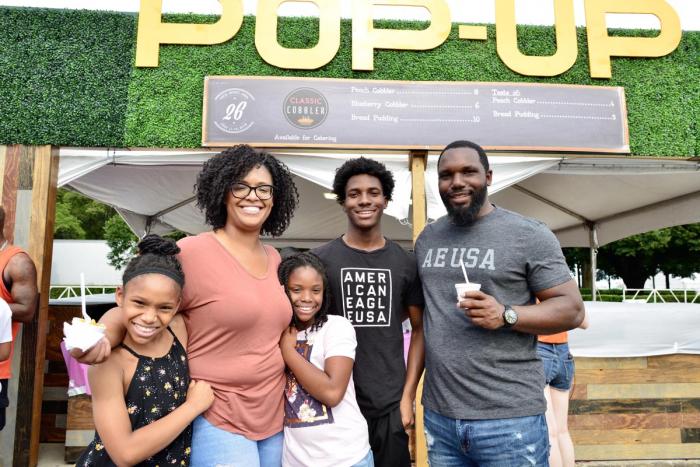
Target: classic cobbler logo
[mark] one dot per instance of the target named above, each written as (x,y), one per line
(232,110)
(305,108)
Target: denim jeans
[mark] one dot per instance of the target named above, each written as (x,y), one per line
(558,365)
(367,461)
(504,442)
(214,447)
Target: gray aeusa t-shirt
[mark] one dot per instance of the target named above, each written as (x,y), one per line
(470,372)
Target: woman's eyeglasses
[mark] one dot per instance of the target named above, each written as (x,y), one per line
(241,191)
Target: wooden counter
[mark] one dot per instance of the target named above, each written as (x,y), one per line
(636,408)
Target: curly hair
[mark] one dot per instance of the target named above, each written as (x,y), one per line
(230,166)
(306,259)
(156,255)
(362,166)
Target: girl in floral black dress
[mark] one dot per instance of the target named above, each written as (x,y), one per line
(143,401)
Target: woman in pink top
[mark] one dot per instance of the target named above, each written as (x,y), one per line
(234,308)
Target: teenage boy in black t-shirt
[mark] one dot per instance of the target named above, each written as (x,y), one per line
(374,284)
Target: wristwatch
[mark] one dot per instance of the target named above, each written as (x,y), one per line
(510,316)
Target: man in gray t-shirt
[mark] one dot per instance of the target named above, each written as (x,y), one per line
(483,389)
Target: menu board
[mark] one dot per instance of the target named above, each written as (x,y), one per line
(405,115)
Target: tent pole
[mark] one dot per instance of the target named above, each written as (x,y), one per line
(418,160)
(593,241)
(30,177)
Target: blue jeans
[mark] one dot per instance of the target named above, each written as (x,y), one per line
(503,442)
(367,461)
(558,365)
(212,446)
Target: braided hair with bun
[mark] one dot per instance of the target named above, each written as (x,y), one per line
(156,255)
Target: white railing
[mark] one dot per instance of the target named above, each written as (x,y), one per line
(654,295)
(67,291)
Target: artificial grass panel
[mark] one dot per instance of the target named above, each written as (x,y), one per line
(64,76)
(165,103)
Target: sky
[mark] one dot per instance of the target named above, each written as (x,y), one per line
(462,11)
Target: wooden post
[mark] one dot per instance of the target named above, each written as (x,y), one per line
(34,197)
(418,161)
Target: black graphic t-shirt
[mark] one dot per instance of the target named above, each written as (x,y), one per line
(372,290)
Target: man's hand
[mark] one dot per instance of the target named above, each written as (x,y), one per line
(406,409)
(98,353)
(482,309)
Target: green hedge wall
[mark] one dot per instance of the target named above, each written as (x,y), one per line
(164,104)
(64,76)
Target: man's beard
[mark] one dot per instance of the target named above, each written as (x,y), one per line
(465,215)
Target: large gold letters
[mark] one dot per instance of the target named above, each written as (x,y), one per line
(365,38)
(306,59)
(152,32)
(601,46)
(507,41)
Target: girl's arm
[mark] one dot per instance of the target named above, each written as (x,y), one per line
(328,386)
(127,447)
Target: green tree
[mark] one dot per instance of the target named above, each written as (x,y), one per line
(634,258)
(121,241)
(673,251)
(579,260)
(79,217)
(682,256)
(67,225)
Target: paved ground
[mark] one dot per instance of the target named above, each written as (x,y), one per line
(51,455)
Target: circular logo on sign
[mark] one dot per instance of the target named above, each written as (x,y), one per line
(305,108)
(231,110)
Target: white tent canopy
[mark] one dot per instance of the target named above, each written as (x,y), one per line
(154,190)
(619,196)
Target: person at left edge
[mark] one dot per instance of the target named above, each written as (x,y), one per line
(5,331)
(18,288)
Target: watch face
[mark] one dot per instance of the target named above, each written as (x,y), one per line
(510,316)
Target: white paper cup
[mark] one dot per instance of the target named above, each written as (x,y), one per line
(82,334)
(466,287)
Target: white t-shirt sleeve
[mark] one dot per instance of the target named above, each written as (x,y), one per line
(5,322)
(340,340)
